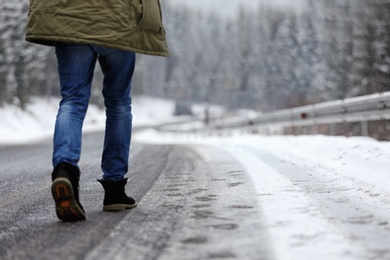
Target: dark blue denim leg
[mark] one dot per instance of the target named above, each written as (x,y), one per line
(76,64)
(118,68)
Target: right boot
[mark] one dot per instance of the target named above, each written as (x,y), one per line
(115,198)
(65,191)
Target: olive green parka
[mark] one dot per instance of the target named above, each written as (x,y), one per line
(132,25)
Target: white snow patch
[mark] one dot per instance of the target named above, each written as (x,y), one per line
(37,121)
(357,158)
(338,170)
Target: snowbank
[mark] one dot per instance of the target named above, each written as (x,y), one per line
(37,121)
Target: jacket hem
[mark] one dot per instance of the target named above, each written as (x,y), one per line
(53,41)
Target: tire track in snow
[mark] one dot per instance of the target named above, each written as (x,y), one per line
(311,215)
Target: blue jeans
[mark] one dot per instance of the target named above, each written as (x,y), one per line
(76,65)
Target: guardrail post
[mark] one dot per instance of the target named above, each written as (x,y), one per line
(364,128)
(305,130)
(332,129)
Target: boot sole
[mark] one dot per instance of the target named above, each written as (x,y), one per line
(119,207)
(67,209)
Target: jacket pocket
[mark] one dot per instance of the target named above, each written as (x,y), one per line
(151,18)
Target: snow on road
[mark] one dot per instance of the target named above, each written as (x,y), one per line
(322,197)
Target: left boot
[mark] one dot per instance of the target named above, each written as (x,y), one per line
(115,198)
(65,191)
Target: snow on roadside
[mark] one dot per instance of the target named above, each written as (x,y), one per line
(37,121)
(322,197)
(359,158)
(297,228)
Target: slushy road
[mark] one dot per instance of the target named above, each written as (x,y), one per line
(194,203)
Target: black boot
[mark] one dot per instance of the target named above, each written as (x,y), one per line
(115,198)
(65,190)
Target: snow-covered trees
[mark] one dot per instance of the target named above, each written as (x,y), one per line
(371,57)
(23,67)
(274,58)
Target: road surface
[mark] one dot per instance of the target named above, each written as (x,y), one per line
(195,202)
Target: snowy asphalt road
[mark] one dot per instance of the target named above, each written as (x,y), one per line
(196,202)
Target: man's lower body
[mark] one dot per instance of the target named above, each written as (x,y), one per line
(76,64)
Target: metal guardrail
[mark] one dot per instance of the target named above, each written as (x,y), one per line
(356,109)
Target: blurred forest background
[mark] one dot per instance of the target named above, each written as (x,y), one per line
(263,59)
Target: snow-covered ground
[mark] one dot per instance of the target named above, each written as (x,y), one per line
(323,197)
(37,121)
